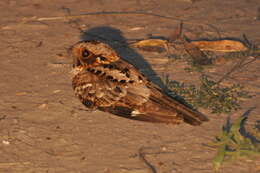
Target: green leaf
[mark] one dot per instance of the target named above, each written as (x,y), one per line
(219,158)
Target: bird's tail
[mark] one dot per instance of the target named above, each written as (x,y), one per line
(165,108)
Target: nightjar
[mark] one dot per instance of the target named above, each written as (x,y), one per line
(104,81)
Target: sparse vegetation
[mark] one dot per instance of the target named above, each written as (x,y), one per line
(210,95)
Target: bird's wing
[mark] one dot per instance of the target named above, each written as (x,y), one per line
(106,85)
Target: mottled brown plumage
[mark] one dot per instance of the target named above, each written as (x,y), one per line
(104,81)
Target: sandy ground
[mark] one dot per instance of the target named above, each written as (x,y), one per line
(44,128)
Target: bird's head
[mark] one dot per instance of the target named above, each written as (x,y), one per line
(92,53)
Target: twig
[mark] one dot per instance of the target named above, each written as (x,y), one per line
(8,164)
(247,42)
(237,66)
(104,13)
(141,155)
(116,13)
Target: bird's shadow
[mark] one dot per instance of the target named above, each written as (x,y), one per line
(243,130)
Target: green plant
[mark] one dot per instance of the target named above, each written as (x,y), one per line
(209,94)
(233,145)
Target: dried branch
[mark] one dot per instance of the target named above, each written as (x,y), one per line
(238,66)
(115,13)
(141,155)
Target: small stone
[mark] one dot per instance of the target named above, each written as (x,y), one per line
(42,106)
(164,148)
(5,142)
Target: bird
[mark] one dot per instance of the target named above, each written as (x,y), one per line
(104,81)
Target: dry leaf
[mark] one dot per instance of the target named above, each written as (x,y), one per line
(220,45)
(150,43)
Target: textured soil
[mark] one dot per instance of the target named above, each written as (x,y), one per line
(44,127)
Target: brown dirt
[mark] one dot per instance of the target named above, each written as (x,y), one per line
(44,128)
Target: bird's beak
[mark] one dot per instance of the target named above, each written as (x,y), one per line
(76,62)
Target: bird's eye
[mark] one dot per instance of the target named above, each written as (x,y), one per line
(85,53)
